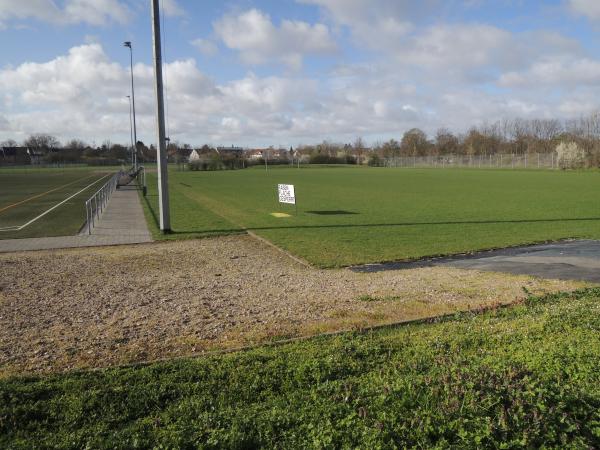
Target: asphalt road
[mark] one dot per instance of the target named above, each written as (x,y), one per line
(566,260)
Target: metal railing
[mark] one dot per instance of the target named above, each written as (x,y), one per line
(96,204)
(497,160)
(141,180)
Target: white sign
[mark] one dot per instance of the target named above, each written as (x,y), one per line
(286,193)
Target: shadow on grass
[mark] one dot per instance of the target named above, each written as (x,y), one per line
(332,213)
(381,225)
(151,209)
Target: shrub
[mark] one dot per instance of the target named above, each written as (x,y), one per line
(216,164)
(375,160)
(570,155)
(326,159)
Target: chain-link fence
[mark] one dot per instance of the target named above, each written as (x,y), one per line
(499,161)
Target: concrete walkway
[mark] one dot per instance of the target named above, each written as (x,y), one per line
(567,260)
(122,222)
(123,217)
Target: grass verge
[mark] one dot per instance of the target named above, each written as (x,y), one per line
(524,376)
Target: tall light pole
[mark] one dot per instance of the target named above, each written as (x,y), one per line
(128,44)
(131,131)
(163,186)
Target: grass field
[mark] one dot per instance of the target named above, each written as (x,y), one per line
(352,215)
(520,377)
(25,194)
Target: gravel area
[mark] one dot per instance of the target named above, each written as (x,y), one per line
(97,307)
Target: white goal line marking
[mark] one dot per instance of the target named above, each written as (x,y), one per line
(20,227)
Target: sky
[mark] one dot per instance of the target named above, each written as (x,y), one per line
(289,72)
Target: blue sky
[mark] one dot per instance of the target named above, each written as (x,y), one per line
(287,72)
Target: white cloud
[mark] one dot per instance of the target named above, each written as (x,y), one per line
(96,12)
(565,72)
(377,24)
(455,46)
(93,12)
(172,8)
(83,92)
(259,41)
(4,124)
(45,10)
(588,8)
(205,46)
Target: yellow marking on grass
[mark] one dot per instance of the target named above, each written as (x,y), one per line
(43,193)
(280,215)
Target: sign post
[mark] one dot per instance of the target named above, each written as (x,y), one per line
(287,194)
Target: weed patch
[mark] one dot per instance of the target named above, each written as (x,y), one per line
(523,376)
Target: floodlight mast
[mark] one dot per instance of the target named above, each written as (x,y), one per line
(131,131)
(134,162)
(163,187)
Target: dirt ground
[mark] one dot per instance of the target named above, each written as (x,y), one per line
(98,307)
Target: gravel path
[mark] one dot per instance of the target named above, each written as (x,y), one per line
(79,308)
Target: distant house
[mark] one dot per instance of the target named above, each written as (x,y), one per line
(268,153)
(37,156)
(231,151)
(194,156)
(254,154)
(279,155)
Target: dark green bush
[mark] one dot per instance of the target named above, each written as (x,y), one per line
(326,159)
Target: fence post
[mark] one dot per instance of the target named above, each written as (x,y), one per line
(88,216)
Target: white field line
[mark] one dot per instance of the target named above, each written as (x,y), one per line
(15,228)
(19,228)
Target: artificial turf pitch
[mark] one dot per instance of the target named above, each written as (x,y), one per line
(25,194)
(354,215)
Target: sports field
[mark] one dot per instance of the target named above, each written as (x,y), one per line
(353,215)
(45,202)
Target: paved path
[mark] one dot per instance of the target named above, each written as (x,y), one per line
(123,217)
(122,222)
(568,260)
(573,260)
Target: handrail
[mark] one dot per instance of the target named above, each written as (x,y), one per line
(96,204)
(141,179)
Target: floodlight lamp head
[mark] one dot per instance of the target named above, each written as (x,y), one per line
(127,44)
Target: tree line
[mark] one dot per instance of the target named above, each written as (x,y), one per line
(516,137)
(509,136)
(51,151)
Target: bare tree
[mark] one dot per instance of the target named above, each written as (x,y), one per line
(445,142)
(41,142)
(390,149)
(359,149)
(8,143)
(414,143)
(75,144)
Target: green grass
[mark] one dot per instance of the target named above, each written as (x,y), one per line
(17,185)
(524,376)
(353,215)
